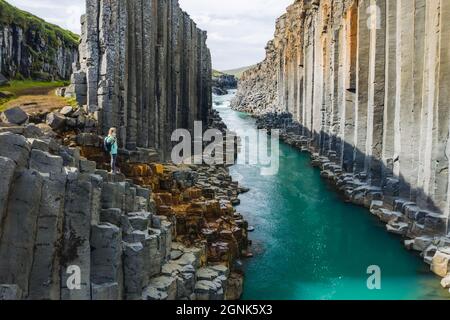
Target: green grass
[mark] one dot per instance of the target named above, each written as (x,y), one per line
(16,87)
(19,88)
(12,15)
(216,73)
(238,72)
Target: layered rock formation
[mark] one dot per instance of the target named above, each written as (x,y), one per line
(32,48)
(144,68)
(364,86)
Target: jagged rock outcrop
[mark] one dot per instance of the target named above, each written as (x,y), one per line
(33,48)
(144,68)
(71,231)
(363,85)
(152,232)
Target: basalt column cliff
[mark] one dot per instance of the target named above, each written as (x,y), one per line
(364,85)
(71,230)
(145,69)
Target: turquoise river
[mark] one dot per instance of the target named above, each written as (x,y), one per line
(308,244)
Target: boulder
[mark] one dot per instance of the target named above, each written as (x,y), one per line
(440,262)
(445,283)
(45,162)
(14,116)
(32,131)
(56,120)
(67,111)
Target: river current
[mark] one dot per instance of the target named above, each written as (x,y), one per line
(308,244)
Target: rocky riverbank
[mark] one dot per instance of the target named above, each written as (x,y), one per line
(356,84)
(421,230)
(155,231)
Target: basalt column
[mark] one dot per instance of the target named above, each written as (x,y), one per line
(369,97)
(144,68)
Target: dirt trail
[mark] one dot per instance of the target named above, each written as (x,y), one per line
(37,100)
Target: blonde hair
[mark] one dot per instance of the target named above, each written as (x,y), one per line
(111,131)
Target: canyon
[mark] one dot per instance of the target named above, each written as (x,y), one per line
(359,87)
(362,86)
(69,229)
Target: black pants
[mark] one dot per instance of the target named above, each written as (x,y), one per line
(113,162)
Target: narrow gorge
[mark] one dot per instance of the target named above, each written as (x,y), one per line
(363,86)
(358,189)
(70,229)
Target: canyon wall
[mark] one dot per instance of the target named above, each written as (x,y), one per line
(366,84)
(144,68)
(33,48)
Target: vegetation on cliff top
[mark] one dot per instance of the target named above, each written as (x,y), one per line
(11,15)
(238,72)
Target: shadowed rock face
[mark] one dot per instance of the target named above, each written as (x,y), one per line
(144,68)
(366,83)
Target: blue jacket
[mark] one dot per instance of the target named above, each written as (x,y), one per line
(114,146)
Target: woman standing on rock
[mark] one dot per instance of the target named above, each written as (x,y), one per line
(112,147)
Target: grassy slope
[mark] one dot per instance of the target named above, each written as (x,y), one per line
(22,91)
(12,15)
(238,72)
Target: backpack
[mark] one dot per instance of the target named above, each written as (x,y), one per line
(107,145)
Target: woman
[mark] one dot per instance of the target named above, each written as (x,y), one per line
(112,147)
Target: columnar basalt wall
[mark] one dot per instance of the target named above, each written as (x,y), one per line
(144,68)
(367,84)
